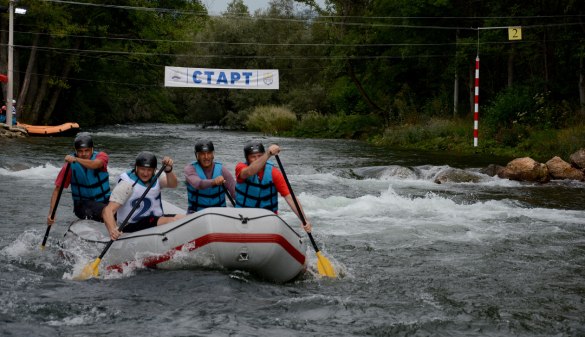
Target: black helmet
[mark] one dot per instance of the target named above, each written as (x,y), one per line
(253,147)
(146,159)
(204,146)
(83,140)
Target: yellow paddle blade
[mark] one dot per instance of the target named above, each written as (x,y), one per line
(42,247)
(324,266)
(89,271)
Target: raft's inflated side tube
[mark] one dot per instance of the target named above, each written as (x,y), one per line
(249,239)
(48,130)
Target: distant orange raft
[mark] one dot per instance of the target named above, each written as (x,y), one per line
(66,129)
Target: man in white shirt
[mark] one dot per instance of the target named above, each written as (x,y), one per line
(130,188)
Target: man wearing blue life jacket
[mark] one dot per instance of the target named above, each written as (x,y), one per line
(206,179)
(88,177)
(13,112)
(258,181)
(131,186)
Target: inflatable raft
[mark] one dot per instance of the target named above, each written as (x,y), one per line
(67,129)
(248,239)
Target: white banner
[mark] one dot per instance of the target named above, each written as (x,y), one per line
(221,78)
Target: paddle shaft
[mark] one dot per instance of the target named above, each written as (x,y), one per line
(67,168)
(229,195)
(292,193)
(136,205)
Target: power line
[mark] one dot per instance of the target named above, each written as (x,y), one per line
(226,43)
(455,17)
(243,43)
(224,56)
(262,44)
(318,19)
(149,9)
(112,53)
(218,56)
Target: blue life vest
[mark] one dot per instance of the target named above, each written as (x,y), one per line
(213,196)
(87,184)
(253,193)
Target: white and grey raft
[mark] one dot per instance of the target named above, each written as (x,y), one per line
(248,239)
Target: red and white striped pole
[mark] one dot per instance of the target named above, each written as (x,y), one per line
(476,105)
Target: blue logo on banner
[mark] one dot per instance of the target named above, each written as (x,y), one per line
(208,77)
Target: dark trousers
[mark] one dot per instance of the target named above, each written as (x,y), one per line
(89,209)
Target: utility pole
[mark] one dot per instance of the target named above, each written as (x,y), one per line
(10,72)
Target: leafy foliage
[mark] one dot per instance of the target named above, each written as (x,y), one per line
(271,119)
(346,70)
(354,126)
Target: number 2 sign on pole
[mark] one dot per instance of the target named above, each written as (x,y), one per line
(514,33)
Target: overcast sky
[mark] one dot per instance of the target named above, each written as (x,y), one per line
(215,7)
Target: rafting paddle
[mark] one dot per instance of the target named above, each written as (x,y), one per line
(56,204)
(91,270)
(228,195)
(324,265)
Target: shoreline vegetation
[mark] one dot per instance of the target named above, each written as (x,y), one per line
(433,134)
(410,68)
(399,74)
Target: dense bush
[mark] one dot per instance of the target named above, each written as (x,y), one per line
(457,136)
(314,124)
(235,121)
(517,112)
(512,105)
(271,119)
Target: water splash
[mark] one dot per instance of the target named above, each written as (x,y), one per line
(45,171)
(26,251)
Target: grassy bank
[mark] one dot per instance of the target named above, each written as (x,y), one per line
(278,120)
(453,135)
(457,136)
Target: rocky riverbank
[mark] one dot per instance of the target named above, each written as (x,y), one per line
(7,131)
(528,169)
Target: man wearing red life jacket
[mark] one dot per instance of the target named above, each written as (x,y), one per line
(89,179)
(258,181)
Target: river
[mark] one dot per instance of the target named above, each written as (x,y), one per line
(415,258)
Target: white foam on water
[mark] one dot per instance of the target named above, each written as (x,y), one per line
(81,263)
(116,134)
(329,183)
(27,248)
(127,271)
(374,213)
(19,247)
(314,299)
(426,174)
(46,171)
(125,134)
(94,315)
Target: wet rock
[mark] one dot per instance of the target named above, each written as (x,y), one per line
(492,170)
(377,172)
(455,175)
(578,159)
(525,169)
(398,172)
(7,131)
(560,169)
